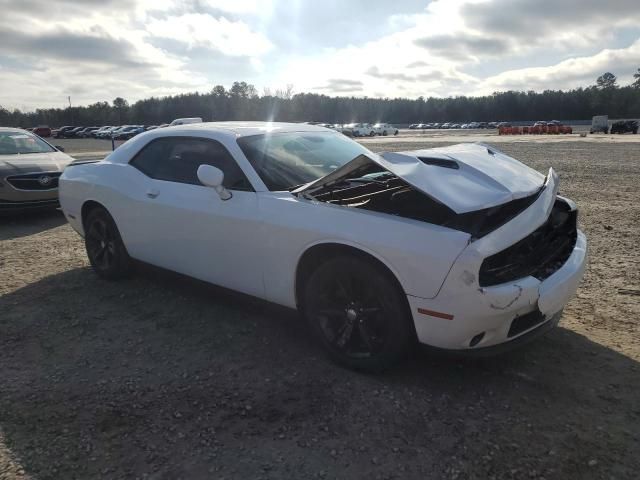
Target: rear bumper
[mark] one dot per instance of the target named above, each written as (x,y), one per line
(466,317)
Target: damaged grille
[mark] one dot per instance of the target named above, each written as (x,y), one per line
(540,254)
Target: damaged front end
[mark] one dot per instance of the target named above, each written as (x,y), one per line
(525,255)
(452,187)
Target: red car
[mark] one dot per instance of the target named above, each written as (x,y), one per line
(42,131)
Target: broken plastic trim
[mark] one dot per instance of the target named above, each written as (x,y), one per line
(539,254)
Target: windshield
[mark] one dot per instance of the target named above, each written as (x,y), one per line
(14,143)
(286,160)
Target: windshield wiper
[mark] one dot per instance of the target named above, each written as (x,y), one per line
(295,187)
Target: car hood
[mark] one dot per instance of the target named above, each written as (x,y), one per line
(464,177)
(33,162)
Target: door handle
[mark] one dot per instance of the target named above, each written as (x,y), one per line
(153,193)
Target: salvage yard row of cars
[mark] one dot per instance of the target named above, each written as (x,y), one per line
(474,125)
(126,132)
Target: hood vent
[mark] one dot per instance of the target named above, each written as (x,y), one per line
(440,162)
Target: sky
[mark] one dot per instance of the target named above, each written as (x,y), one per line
(96,50)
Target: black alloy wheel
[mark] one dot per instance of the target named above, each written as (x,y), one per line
(358,313)
(107,254)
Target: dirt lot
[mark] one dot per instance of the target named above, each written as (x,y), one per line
(162,377)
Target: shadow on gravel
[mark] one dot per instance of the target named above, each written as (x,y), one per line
(168,377)
(25,224)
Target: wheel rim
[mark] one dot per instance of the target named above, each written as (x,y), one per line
(101,244)
(351,316)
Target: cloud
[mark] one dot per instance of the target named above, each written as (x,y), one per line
(570,73)
(421,77)
(463,46)
(418,64)
(99,49)
(541,19)
(95,47)
(233,38)
(342,85)
(375,72)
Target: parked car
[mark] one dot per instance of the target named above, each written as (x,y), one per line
(624,126)
(108,132)
(73,133)
(385,129)
(413,126)
(29,171)
(42,131)
(86,133)
(62,131)
(128,132)
(113,132)
(185,121)
(461,247)
(99,131)
(359,130)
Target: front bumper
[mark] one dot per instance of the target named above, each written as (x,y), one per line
(465,316)
(9,207)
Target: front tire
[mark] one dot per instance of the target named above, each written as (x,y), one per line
(107,254)
(358,313)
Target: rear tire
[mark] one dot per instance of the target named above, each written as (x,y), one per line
(107,254)
(358,314)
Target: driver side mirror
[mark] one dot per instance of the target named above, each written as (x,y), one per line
(213,177)
(59,148)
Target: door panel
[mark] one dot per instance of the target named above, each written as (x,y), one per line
(189,229)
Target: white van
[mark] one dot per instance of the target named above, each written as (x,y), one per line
(185,121)
(600,124)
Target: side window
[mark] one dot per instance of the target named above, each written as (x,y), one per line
(176,159)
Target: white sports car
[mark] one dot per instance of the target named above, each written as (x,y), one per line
(460,248)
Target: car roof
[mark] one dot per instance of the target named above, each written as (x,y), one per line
(230,130)
(245,129)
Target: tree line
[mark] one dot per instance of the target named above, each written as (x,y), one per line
(242,102)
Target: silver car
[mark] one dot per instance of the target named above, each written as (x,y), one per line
(29,171)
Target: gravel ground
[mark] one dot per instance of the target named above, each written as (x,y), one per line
(163,377)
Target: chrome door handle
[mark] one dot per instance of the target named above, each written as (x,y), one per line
(152,193)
